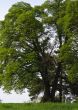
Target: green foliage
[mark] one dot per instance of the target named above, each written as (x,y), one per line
(69,50)
(28,27)
(17,58)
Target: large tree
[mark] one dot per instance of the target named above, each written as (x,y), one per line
(25,61)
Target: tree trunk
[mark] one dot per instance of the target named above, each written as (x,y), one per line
(60,89)
(55,82)
(45,78)
(46,96)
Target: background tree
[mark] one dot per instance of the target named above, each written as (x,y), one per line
(55,12)
(61,17)
(69,54)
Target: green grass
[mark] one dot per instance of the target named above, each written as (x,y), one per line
(40,106)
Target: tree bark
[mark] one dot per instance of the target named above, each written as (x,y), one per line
(45,77)
(55,82)
(60,89)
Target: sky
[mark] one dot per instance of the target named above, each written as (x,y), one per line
(13,97)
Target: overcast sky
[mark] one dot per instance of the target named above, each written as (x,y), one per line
(4,6)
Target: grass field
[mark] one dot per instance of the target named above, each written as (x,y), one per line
(41,106)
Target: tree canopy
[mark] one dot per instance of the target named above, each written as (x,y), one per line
(39,49)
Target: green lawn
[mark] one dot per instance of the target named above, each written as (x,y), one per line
(40,106)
